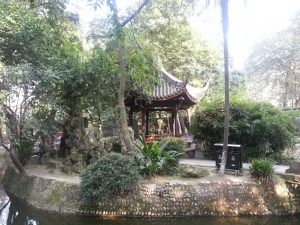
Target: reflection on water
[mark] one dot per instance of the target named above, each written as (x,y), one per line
(16,213)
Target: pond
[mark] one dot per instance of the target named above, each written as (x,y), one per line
(14,212)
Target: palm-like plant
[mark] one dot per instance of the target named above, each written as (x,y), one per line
(225,24)
(153,159)
(226,75)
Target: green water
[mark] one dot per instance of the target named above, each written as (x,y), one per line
(16,213)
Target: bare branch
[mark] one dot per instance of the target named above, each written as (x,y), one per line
(131,17)
(125,22)
(4,206)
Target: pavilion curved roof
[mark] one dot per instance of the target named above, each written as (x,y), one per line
(170,86)
(169,91)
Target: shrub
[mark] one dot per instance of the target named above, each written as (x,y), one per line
(112,175)
(153,159)
(260,128)
(26,146)
(262,169)
(251,153)
(174,144)
(281,159)
(189,171)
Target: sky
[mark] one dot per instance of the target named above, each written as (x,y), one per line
(249,22)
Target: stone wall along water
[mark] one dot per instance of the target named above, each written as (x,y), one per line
(190,197)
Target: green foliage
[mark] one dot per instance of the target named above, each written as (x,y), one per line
(44,63)
(112,175)
(175,147)
(174,144)
(292,113)
(237,84)
(251,153)
(185,55)
(116,147)
(281,159)
(262,169)
(153,159)
(272,66)
(259,127)
(26,147)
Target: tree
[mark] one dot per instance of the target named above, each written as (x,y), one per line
(237,84)
(273,67)
(119,45)
(165,26)
(226,76)
(40,54)
(185,55)
(16,102)
(225,24)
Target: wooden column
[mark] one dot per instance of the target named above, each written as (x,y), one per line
(176,122)
(173,122)
(143,121)
(147,122)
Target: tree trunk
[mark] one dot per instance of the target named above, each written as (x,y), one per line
(74,136)
(122,67)
(14,158)
(14,126)
(121,104)
(13,154)
(226,74)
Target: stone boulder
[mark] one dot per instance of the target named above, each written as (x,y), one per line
(294,167)
(192,171)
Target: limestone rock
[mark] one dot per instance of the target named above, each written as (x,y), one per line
(190,171)
(294,167)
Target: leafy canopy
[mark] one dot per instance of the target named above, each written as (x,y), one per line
(259,127)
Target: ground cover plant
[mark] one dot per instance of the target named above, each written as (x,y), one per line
(155,158)
(262,169)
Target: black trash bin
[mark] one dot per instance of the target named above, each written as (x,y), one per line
(234,156)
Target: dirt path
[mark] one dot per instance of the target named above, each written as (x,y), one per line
(56,174)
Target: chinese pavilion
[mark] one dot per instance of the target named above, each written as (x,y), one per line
(169,95)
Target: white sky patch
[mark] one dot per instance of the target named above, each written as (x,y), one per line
(250,21)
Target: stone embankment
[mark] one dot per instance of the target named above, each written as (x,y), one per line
(212,196)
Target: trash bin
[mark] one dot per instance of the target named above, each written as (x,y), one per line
(234,156)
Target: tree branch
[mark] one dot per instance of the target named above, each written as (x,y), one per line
(125,22)
(4,206)
(131,17)
(4,146)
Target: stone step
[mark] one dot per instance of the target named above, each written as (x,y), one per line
(291,177)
